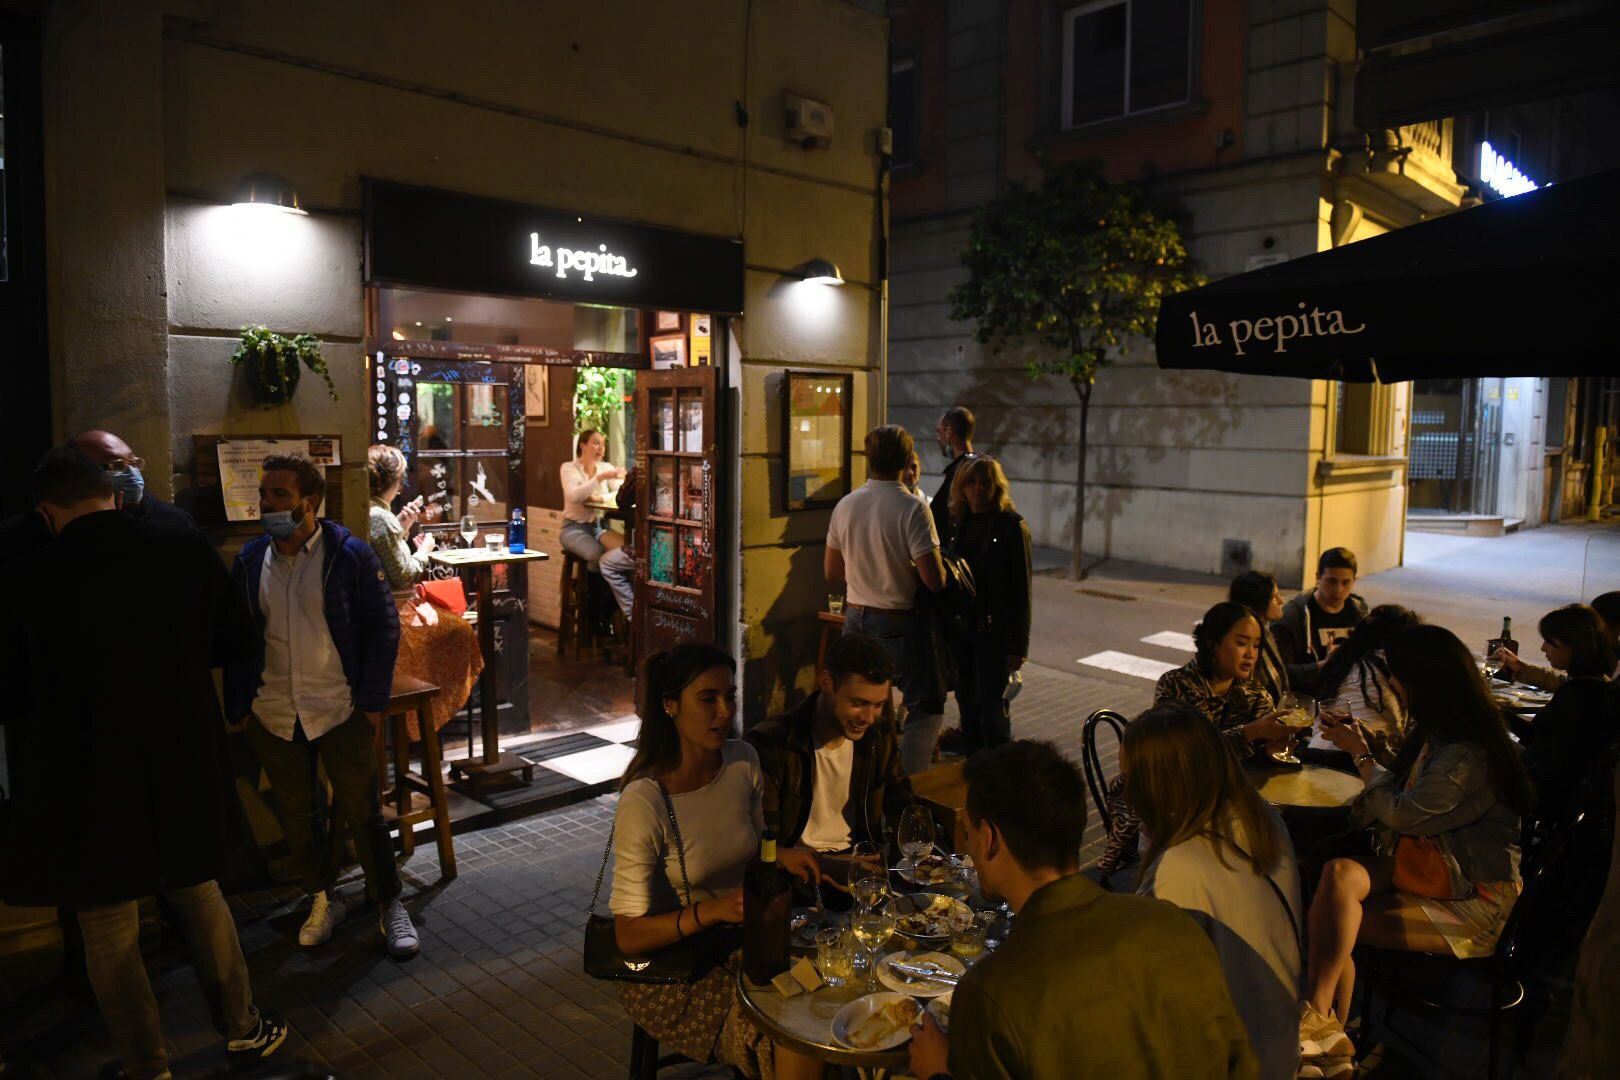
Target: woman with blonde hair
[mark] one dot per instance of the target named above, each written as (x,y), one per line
(435,647)
(1216,850)
(991,644)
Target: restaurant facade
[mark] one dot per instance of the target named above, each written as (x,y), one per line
(507,221)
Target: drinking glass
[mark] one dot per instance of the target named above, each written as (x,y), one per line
(494,541)
(835,603)
(1298,712)
(1335,712)
(968,941)
(469,530)
(916,832)
(872,928)
(835,955)
(869,879)
(987,922)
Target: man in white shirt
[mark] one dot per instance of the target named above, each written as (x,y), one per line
(329,635)
(831,765)
(881,544)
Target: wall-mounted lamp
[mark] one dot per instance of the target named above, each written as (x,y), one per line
(267,191)
(820,272)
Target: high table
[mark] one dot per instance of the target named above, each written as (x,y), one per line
(493,763)
(831,627)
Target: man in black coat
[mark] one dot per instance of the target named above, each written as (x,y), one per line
(119,777)
(955,433)
(22,534)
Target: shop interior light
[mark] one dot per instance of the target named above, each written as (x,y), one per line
(820,272)
(267,191)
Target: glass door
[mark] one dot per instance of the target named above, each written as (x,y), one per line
(676,462)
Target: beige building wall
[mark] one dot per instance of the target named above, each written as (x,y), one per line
(615,109)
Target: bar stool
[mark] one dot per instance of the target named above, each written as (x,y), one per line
(574,627)
(420,796)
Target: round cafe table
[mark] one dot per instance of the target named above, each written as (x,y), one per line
(804,1023)
(1314,787)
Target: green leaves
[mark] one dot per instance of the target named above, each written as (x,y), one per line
(273,360)
(598,394)
(1079,264)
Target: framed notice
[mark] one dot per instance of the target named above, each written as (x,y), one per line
(668,352)
(665,321)
(537,394)
(226,468)
(816,415)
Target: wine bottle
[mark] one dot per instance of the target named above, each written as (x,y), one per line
(767,905)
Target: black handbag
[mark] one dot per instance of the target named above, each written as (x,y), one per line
(683,961)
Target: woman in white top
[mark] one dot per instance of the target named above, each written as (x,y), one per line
(583,479)
(716,790)
(1218,852)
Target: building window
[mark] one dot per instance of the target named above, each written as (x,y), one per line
(903,112)
(1125,56)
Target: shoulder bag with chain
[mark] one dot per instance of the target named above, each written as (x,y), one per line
(683,961)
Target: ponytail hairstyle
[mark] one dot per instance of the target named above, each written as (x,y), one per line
(663,677)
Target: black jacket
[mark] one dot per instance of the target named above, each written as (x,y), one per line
(1292,633)
(119,774)
(1574,733)
(878,786)
(1000,559)
(940,504)
(25,533)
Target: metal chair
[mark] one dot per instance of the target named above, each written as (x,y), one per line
(644,1059)
(1091,761)
(1546,922)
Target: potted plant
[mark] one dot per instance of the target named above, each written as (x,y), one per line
(273,360)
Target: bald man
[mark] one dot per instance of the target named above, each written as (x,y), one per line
(27,532)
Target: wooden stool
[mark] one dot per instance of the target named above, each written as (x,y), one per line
(574,626)
(415,796)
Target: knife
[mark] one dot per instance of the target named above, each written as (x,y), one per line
(925,972)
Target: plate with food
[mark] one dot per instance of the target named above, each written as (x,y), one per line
(805,922)
(930,916)
(934,869)
(940,1009)
(880,1021)
(918,960)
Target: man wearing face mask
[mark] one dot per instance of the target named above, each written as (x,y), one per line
(121,795)
(315,691)
(25,533)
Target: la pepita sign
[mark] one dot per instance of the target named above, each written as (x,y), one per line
(587,263)
(1274,330)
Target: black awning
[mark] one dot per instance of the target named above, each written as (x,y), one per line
(1525,286)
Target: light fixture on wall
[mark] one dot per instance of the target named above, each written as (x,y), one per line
(820,272)
(267,191)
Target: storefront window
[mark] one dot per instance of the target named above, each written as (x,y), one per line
(817,421)
(426,315)
(461,451)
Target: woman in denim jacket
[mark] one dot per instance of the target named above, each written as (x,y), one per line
(1457,781)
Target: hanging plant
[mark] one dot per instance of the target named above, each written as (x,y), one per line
(598,395)
(273,360)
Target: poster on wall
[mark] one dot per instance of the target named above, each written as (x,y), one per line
(668,352)
(240,462)
(702,341)
(537,395)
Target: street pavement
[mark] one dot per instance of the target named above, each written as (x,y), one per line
(498,989)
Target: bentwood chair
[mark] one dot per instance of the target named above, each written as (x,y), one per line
(1546,924)
(1097,780)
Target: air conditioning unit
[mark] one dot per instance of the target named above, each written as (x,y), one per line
(807,122)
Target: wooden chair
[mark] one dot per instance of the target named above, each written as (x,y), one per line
(1096,781)
(644,1059)
(574,626)
(415,797)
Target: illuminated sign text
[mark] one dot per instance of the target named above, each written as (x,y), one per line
(1501,175)
(586,263)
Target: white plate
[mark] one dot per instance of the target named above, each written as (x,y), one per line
(851,1016)
(946,906)
(940,1009)
(907,872)
(921,988)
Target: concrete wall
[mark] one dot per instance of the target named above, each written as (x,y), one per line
(618,109)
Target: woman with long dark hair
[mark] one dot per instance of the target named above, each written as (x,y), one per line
(988,532)
(1582,721)
(1357,672)
(1217,684)
(1257,591)
(1446,818)
(1217,851)
(678,865)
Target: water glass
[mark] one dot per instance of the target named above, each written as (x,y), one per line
(835,955)
(835,603)
(494,541)
(968,942)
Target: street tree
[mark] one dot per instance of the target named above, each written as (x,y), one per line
(1075,267)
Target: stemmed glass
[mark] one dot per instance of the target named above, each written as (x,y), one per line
(872,926)
(869,880)
(1298,712)
(469,529)
(916,833)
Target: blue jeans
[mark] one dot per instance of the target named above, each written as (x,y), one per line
(904,636)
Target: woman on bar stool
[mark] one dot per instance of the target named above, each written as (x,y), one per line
(583,479)
(435,647)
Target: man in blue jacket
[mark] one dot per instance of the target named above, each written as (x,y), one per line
(316,689)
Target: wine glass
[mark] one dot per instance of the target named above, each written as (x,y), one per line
(1298,712)
(469,529)
(916,833)
(869,879)
(872,927)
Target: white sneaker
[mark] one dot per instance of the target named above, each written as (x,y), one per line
(325,912)
(398,930)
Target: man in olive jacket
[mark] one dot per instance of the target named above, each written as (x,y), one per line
(832,765)
(1090,983)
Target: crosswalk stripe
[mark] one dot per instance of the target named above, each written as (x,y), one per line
(1127,664)
(1171,639)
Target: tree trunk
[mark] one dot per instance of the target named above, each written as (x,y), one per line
(1077,568)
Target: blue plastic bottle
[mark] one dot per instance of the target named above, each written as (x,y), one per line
(517,533)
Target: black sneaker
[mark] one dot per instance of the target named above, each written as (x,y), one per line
(261,1042)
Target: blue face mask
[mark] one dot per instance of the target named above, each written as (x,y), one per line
(281,524)
(129,483)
